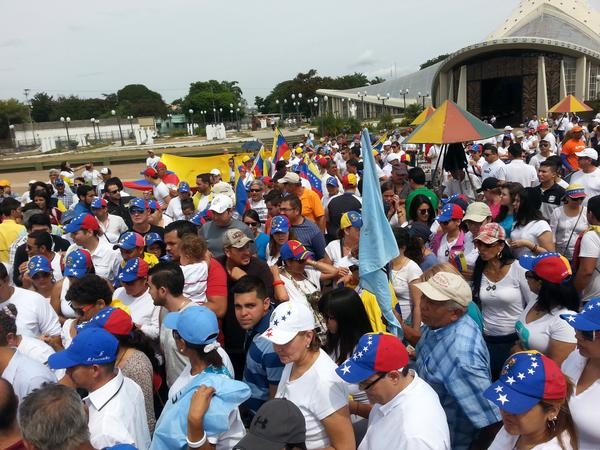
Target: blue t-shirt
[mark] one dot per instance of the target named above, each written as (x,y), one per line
(261,242)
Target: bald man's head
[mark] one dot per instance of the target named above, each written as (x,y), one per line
(8,405)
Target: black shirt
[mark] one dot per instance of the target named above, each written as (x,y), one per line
(153,229)
(551,199)
(119,209)
(339,205)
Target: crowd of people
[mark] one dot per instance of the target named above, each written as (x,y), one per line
(174,319)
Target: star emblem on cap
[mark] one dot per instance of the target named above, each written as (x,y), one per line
(590,307)
(498,389)
(269,332)
(521,376)
(502,398)
(534,365)
(530,371)
(571,318)
(345,369)
(510,380)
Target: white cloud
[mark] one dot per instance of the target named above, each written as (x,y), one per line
(365,59)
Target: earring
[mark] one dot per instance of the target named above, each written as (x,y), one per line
(499,255)
(307,345)
(551,424)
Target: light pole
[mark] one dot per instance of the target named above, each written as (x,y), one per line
(94,128)
(191,120)
(203,112)
(322,108)
(220,116)
(114,113)
(130,118)
(404,94)
(215,115)
(423,97)
(383,99)
(361,96)
(237,119)
(98,128)
(66,122)
(13,137)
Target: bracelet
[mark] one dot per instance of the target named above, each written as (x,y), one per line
(278,283)
(196,444)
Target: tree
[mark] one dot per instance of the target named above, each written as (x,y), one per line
(42,106)
(213,94)
(12,112)
(137,100)
(377,80)
(432,61)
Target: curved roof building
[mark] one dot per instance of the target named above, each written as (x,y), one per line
(543,51)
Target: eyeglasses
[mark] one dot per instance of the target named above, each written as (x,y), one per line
(255,190)
(364,387)
(542,144)
(285,209)
(423,211)
(588,335)
(251,224)
(81,311)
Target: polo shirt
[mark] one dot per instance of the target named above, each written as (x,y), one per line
(117,414)
(339,205)
(311,236)
(518,171)
(312,208)
(551,199)
(422,191)
(416,417)
(9,232)
(35,315)
(113,228)
(455,362)
(263,366)
(26,375)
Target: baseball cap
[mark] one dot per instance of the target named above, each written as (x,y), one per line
(90,346)
(222,188)
(38,264)
(449,212)
(349,180)
(388,142)
(134,269)
(298,150)
(419,229)
(575,191)
(235,238)
(198,219)
(152,238)
(184,186)
(57,182)
(161,165)
(221,203)
(332,181)
(589,317)
(287,320)
(519,135)
(323,162)
(375,352)
(542,126)
(393,157)
(491,233)
(4,183)
(458,199)
(294,250)
(280,224)
(138,203)
(526,379)
(588,153)
(130,240)
(152,205)
(290,177)
(104,171)
(84,221)
(477,212)
(445,286)
(508,128)
(246,158)
(351,219)
(488,183)
(195,324)
(215,172)
(98,203)
(114,320)
(77,263)
(576,129)
(551,267)
(277,422)
(149,172)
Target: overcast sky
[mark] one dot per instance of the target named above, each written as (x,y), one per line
(89,48)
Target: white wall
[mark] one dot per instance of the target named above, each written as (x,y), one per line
(60,132)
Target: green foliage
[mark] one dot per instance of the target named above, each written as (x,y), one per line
(206,95)
(137,100)
(178,133)
(386,122)
(12,111)
(335,125)
(432,61)
(42,107)
(411,113)
(377,80)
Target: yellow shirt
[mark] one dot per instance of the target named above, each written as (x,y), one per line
(374,311)
(9,232)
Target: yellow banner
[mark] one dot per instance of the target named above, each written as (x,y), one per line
(188,167)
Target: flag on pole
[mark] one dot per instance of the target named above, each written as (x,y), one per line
(241,195)
(376,235)
(261,168)
(281,149)
(309,171)
(378,144)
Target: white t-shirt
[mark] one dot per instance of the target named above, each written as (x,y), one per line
(152,161)
(443,251)
(497,169)
(536,160)
(196,279)
(160,192)
(26,374)
(505,441)
(65,308)
(298,290)
(113,228)
(531,232)
(39,351)
(589,181)
(519,172)
(334,251)
(566,229)
(502,303)
(536,335)
(590,248)
(470,251)
(400,280)
(319,392)
(56,268)
(35,316)
(91,177)
(174,210)
(583,406)
(260,207)
(413,420)
(142,310)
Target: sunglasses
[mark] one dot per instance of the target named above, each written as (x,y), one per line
(251,224)
(485,155)
(255,190)
(114,192)
(364,387)
(423,211)
(81,311)
(39,275)
(136,211)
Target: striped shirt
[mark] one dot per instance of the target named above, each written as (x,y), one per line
(263,366)
(454,360)
(311,236)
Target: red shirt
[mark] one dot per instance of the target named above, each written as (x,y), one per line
(217,286)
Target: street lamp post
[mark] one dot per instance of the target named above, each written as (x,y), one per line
(13,137)
(114,113)
(423,97)
(323,107)
(97,121)
(237,119)
(130,118)
(220,115)
(404,94)
(383,99)
(191,112)
(362,96)
(94,128)
(66,122)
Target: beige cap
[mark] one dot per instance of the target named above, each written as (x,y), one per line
(221,203)
(290,177)
(477,212)
(444,286)
(222,188)
(235,238)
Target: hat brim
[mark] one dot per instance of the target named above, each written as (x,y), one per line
(35,271)
(71,272)
(577,195)
(279,230)
(252,442)
(279,336)
(444,218)
(517,404)
(431,292)
(219,210)
(580,323)
(71,227)
(127,277)
(353,373)
(474,217)
(243,242)
(62,360)
(124,247)
(486,239)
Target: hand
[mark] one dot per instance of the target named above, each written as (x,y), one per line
(237,273)
(200,403)
(519,243)
(275,271)
(343,272)
(23,267)
(396,201)
(53,341)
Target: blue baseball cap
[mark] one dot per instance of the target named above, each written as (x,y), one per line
(90,346)
(139,203)
(130,240)
(183,187)
(280,224)
(526,379)
(332,181)
(589,317)
(59,182)
(195,324)
(450,211)
(375,352)
(458,199)
(134,269)
(152,205)
(98,203)
(295,250)
(38,264)
(114,320)
(77,263)
(121,447)
(351,219)
(84,221)
(152,238)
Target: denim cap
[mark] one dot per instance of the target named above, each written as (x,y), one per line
(195,324)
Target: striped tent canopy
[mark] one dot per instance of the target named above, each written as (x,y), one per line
(451,124)
(425,114)
(570,104)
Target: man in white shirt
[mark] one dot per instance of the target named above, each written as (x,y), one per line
(117,414)
(588,174)
(152,160)
(517,171)
(543,155)
(533,122)
(112,226)
(174,209)
(546,135)
(160,191)
(106,174)
(22,372)
(460,184)
(402,401)
(493,167)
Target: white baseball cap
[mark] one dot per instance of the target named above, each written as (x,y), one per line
(287,320)
(290,177)
(221,203)
(393,157)
(588,153)
(104,171)
(388,142)
(444,286)
(508,128)
(215,172)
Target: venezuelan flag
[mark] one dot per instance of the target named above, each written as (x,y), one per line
(281,149)
(261,167)
(311,173)
(378,144)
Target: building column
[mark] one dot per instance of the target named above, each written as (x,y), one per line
(542,92)
(451,85)
(580,72)
(461,98)
(588,74)
(442,91)
(562,93)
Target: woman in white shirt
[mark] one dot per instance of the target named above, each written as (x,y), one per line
(343,251)
(280,233)
(583,368)
(540,326)
(531,234)
(309,379)
(568,220)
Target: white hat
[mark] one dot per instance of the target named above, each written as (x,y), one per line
(444,286)
(393,157)
(221,203)
(508,128)
(588,153)
(287,321)
(32,181)
(290,177)
(215,172)
(388,142)
(104,171)
(222,188)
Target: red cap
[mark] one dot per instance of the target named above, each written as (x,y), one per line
(161,165)
(323,162)
(149,172)
(543,126)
